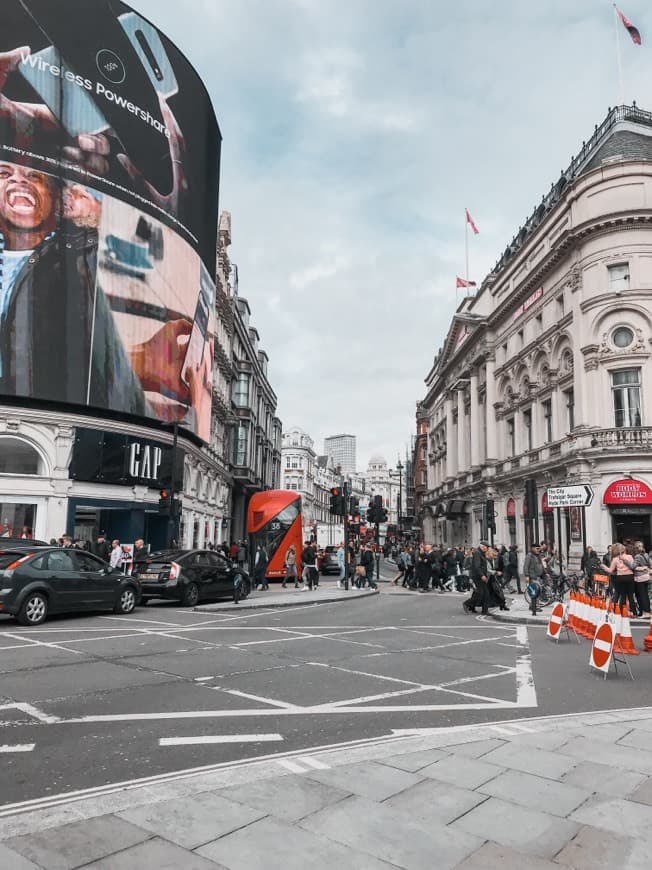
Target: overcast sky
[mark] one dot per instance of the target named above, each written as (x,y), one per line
(355,134)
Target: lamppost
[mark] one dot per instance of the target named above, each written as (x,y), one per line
(399,473)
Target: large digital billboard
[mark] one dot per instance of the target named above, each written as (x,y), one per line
(109,169)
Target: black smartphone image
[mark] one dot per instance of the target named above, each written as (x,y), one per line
(91,39)
(198,338)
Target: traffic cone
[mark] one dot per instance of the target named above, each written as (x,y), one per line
(570,616)
(586,627)
(618,625)
(647,640)
(626,639)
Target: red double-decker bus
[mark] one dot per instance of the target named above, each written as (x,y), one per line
(274,522)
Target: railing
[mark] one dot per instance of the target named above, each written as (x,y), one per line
(533,456)
(554,450)
(634,437)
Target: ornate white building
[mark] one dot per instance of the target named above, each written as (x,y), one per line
(546,373)
(380,480)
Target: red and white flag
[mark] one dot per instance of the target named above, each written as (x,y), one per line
(461,282)
(634,32)
(470,221)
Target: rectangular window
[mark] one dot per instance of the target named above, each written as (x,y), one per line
(626,387)
(241,391)
(560,305)
(521,338)
(240,445)
(511,437)
(547,419)
(527,425)
(618,276)
(424,477)
(570,407)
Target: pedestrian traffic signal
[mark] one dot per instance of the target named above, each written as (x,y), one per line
(164,502)
(490,510)
(531,505)
(338,502)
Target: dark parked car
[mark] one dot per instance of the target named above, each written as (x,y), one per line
(189,576)
(37,581)
(327,561)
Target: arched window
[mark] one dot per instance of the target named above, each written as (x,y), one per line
(19,457)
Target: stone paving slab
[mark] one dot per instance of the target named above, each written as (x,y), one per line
(458,770)
(272,843)
(615,814)
(592,848)
(290,797)
(370,779)
(78,843)
(491,856)
(11,859)
(602,778)
(393,836)
(518,827)
(156,854)
(431,800)
(192,823)
(528,759)
(536,792)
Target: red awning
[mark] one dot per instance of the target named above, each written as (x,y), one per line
(627,491)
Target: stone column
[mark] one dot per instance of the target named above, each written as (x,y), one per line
(461,434)
(451,443)
(490,411)
(475,424)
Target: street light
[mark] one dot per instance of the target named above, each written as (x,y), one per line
(399,468)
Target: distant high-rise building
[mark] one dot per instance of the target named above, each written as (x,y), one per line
(341,450)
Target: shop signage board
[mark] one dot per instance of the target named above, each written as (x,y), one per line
(628,492)
(114,457)
(579,495)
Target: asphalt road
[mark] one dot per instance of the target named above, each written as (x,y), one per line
(88,701)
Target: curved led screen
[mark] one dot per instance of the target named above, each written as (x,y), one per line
(109,168)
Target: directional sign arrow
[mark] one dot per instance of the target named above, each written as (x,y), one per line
(575,495)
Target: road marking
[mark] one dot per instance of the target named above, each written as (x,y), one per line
(41,643)
(18,747)
(271,701)
(292,766)
(219,738)
(313,762)
(32,711)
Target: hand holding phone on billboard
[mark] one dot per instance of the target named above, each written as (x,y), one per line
(158,362)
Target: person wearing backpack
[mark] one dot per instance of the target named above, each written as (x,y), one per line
(641,579)
(511,567)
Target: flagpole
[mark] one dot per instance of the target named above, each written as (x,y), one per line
(621,88)
(466,249)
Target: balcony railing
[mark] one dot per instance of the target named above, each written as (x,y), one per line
(635,438)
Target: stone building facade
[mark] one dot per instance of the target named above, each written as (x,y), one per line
(546,373)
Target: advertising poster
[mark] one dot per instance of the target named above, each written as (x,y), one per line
(109,166)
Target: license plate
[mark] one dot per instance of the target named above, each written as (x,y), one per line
(145,578)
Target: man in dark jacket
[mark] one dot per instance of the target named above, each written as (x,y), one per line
(511,567)
(101,547)
(367,562)
(480,577)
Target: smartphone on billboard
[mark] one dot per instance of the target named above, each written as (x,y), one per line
(198,335)
(148,46)
(65,98)
(94,44)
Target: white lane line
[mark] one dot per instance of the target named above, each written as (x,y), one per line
(32,711)
(203,679)
(41,643)
(220,738)
(271,701)
(17,747)
(132,619)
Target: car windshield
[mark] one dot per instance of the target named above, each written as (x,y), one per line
(164,556)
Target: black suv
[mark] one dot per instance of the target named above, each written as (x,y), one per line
(36,581)
(190,575)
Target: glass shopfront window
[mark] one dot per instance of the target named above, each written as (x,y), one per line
(17,519)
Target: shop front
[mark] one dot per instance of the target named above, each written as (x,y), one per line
(102,464)
(629,503)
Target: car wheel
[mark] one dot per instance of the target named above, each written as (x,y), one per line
(34,609)
(191,595)
(126,600)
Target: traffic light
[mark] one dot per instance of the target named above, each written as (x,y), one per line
(164,502)
(354,505)
(531,500)
(490,509)
(338,502)
(372,514)
(382,515)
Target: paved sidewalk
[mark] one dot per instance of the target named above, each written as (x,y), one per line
(519,612)
(326,593)
(529,794)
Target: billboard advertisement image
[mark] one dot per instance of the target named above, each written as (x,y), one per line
(109,166)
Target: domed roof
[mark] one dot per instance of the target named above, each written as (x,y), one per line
(377,459)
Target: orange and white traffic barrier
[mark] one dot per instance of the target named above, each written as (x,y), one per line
(647,640)
(572,606)
(626,639)
(584,614)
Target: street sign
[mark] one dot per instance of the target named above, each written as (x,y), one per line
(556,621)
(602,648)
(579,495)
